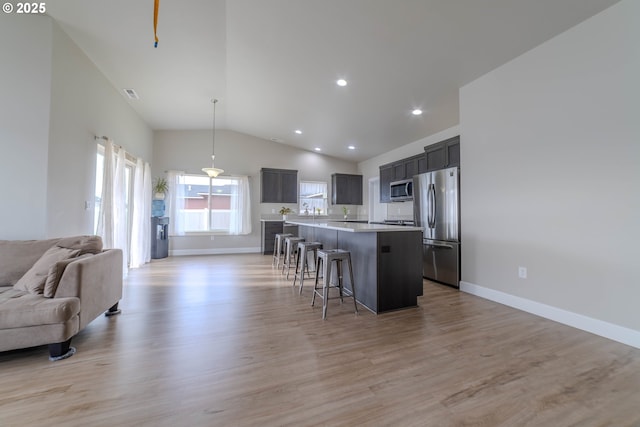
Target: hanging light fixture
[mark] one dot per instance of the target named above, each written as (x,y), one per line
(213,171)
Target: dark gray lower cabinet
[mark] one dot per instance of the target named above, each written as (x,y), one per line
(269,231)
(388,270)
(387,266)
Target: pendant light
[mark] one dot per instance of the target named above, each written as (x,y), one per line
(213,171)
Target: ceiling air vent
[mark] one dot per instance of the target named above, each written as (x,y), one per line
(131,93)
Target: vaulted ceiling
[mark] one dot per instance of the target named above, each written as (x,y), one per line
(273,64)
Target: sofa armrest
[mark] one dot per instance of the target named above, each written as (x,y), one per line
(96,280)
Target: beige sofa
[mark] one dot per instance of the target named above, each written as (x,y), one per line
(51,289)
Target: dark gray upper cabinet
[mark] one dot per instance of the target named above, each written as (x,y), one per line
(386,177)
(346,189)
(399,170)
(278,185)
(444,154)
(436,157)
(453,152)
(415,165)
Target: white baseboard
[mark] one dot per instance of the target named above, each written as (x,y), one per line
(604,329)
(214,251)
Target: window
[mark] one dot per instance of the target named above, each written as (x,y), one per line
(209,204)
(313,198)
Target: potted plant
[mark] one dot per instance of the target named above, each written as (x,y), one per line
(284,211)
(160,188)
(345,211)
(305,205)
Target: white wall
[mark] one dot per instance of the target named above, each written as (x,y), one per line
(54,100)
(550,147)
(25,79)
(83,104)
(237,154)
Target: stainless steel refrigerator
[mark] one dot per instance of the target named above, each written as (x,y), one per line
(436,205)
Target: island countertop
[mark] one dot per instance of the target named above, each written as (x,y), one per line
(353,227)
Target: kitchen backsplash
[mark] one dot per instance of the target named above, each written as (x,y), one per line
(392,211)
(400,210)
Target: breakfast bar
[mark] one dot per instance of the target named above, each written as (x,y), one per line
(387,259)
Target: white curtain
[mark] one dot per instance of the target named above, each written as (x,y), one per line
(175,203)
(147,212)
(105,215)
(140,233)
(120,239)
(112,218)
(240,221)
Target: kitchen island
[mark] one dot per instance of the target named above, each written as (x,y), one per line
(387,259)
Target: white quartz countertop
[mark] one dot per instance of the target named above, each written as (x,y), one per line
(354,227)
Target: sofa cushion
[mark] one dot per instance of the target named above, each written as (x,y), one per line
(20,309)
(86,244)
(34,279)
(55,274)
(18,256)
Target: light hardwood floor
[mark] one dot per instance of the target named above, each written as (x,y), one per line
(225,340)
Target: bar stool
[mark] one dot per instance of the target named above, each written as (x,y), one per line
(327,257)
(278,246)
(302,260)
(290,250)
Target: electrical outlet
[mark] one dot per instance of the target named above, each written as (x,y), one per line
(522,272)
(213,237)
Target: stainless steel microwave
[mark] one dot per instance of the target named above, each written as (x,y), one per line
(401,190)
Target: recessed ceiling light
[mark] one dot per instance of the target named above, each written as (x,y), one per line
(351,147)
(341,82)
(416,112)
(317,149)
(298,131)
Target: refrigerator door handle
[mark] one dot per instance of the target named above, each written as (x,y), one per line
(442,246)
(437,244)
(429,206)
(432,205)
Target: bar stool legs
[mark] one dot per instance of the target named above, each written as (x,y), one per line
(302,261)
(278,246)
(326,259)
(290,250)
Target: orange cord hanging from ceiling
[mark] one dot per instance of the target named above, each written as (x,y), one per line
(155,21)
